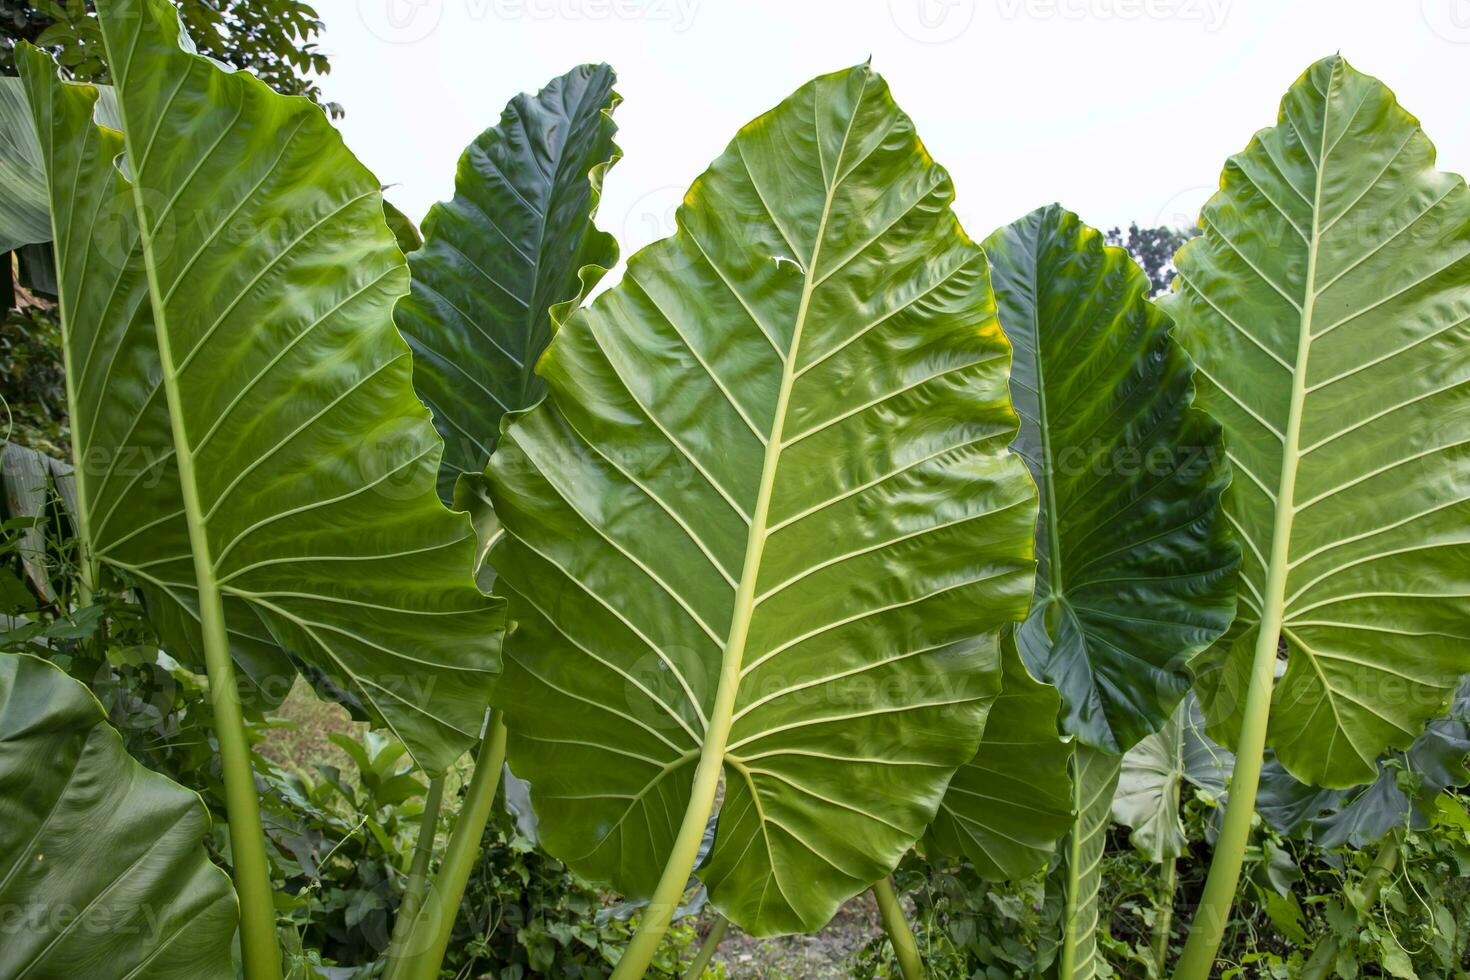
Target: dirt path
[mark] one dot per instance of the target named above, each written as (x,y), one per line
(823,956)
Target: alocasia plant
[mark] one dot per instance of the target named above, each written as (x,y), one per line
(1135,566)
(1327,304)
(764,528)
(249,449)
(102,863)
(1005,808)
(515,241)
(515,247)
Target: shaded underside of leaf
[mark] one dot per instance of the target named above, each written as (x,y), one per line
(1327,305)
(1005,809)
(515,241)
(775,450)
(1135,567)
(250,262)
(1362,816)
(1154,773)
(102,863)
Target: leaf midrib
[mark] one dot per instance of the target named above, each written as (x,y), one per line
(1279,568)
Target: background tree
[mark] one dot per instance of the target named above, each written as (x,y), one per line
(275,39)
(1153,249)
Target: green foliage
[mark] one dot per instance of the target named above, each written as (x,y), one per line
(275,39)
(102,867)
(1291,898)
(525,914)
(692,574)
(33,380)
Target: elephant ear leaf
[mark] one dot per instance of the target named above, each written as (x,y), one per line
(1327,305)
(25,216)
(103,859)
(1005,808)
(515,241)
(1402,795)
(764,526)
(250,450)
(1135,567)
(1154,775)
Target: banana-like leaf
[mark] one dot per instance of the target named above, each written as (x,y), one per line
(765,517)
(102,865)
(1327,306)
(1154,773)
(1071,903)
(1006,808)
(1363,815)
(242,410)
(515,241)
(1135,566)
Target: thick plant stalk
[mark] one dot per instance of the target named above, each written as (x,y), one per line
(1164,915)
(418,878)
(707,950)
(905,949)
(260,949)
(1325,956)
(429,938)
(675,877)
(1208,926)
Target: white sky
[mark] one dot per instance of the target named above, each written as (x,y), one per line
(1120,109)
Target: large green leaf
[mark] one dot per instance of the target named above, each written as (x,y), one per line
(102,865)
(1154,773)
(1365,814)
(243,416)
(1005,808)
(765,518)
(24,215)
(25,211)
(1135,567)
(1327,305)
(516,240)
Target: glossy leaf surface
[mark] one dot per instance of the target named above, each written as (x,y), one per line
(1327,304)
(768,493)
(1006,808)
(516,240)
(248,266)
(1135,569)
(102,863)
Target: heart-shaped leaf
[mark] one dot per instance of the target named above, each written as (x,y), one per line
(1327,304)
(250,450)
(765,527)
(1135,566)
